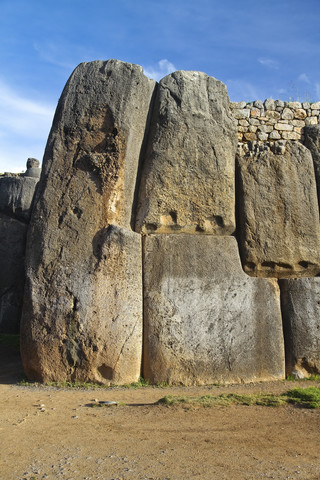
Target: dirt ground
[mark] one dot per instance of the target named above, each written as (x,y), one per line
(46,433)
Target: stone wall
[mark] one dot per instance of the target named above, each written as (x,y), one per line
(156,247)
(273,119)
(16,196)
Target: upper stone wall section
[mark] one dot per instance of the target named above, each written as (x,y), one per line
(273,119)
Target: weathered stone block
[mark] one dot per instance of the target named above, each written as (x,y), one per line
(187,183)
(301,321)
(12,249)
(312,142)
(205,320)
(74,325)
(83,321)
(278,212)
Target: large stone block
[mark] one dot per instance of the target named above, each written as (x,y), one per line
(84,322)
(205,320)
(312,142)
(187,183)
(12,249)
(278,216)
(88,183)
(301,321)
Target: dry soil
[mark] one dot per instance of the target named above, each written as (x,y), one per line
(46,433)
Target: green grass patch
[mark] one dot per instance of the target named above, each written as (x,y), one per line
(10,340)
(303,397)
(312,378)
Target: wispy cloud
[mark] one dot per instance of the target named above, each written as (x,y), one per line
(162,68)
(23,121)
(304,78)
(269,63)
(51,53)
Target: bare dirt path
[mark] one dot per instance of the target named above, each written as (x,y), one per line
(50,433)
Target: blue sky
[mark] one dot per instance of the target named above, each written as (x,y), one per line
(258,48)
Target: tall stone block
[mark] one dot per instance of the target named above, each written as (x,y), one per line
(312,142)
(187,183)
(82,315)
(205,320)
(300,300)
(279,234)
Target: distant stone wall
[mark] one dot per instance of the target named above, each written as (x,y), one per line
(273,119)
(16,196)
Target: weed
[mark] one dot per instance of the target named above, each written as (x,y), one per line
(304,397)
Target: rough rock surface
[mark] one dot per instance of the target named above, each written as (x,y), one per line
(86,322)
(12,249)
(278,211)
(206,321)
(301,321)
(312,142)
(73,326)
(187,181)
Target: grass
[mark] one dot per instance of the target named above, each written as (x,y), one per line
(312,378)
(141,383)
(303,397)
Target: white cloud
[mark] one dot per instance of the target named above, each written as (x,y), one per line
(269,62)
(163,68)
(303,78)
(24,127)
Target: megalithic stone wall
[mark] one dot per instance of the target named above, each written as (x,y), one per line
(135,223)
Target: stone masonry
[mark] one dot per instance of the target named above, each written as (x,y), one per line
(273,119)
(155,249)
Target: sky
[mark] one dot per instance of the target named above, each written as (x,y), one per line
(259,48)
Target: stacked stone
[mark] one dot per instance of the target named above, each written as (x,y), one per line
(109,243)
(274,119)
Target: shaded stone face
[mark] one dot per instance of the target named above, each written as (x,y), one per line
(279,234)
(301,320)
(16,196)
(12,249)
(187,183)
(205,320)
(88,184)
(312,142)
